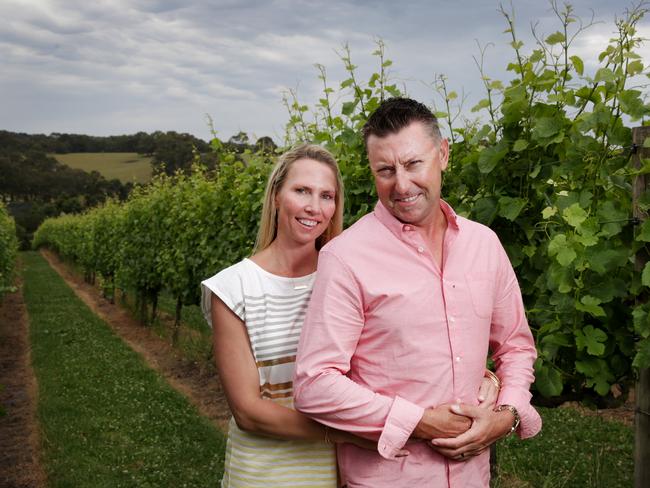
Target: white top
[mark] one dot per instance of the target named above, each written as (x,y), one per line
(272,309)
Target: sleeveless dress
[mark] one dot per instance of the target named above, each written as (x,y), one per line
(273,309)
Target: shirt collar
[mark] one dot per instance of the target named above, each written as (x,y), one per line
(397,227)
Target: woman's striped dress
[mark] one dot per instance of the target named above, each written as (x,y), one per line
(272,309)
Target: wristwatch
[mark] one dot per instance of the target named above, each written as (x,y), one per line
(516,422)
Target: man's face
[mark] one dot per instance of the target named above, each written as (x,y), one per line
(407,167)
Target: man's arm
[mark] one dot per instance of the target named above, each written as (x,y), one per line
(332,329)
(513,349)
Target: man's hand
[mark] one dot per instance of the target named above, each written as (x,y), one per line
(488,394)
(441,422)
(487,427)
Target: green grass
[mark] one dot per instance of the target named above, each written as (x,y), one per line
(126,167)
(571,451)
(107,419)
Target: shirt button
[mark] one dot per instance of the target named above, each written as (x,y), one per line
(420,249)
(407,227)
(452,319)
(458,359)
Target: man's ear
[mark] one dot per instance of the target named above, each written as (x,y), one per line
(444,153)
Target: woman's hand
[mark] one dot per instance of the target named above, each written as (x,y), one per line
(488,393)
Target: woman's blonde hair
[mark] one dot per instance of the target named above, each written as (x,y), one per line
(269,222)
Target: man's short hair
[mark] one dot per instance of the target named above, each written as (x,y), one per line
(394,114)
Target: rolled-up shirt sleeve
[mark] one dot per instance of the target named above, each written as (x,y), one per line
(322,391)
(513,349)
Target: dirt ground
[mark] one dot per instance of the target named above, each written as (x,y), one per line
(20,465)
(198,382)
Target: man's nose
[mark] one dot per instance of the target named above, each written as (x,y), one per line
(402,182)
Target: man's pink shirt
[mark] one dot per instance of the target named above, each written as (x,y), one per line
(388,334)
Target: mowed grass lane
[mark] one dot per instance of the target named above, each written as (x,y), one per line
(573,450)
(126,167)
(107,419)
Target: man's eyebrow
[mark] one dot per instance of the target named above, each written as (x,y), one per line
(410,160)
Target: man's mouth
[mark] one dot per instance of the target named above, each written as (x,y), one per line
(408,199)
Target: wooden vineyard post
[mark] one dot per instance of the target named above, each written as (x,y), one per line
(642,412)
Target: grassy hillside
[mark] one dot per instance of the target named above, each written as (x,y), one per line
(126,167)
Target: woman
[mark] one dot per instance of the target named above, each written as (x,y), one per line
(256,309)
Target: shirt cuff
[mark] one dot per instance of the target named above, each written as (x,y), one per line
(531,422)
(400,423)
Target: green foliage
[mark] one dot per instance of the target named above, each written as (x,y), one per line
(551,175)
(170,234)
(8,250)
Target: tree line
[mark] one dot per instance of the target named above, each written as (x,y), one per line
(34,185)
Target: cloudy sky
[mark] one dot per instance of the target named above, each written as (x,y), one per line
(107,67)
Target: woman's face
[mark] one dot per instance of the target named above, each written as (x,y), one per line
(306,201)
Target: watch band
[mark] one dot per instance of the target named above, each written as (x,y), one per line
(517,420)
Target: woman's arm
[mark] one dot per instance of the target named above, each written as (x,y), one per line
(240,380)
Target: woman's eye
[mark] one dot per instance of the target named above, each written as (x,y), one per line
(328,196)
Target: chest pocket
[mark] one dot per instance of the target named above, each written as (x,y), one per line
(481,288)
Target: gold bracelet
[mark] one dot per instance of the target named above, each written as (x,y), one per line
(493,378)
(327,436)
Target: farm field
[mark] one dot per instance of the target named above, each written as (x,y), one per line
(126,167)
(108,419)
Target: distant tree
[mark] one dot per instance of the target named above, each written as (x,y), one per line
(265,144)
(144,143)
(240,139)
(173,152)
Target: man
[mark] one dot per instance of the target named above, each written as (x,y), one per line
(407,302)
